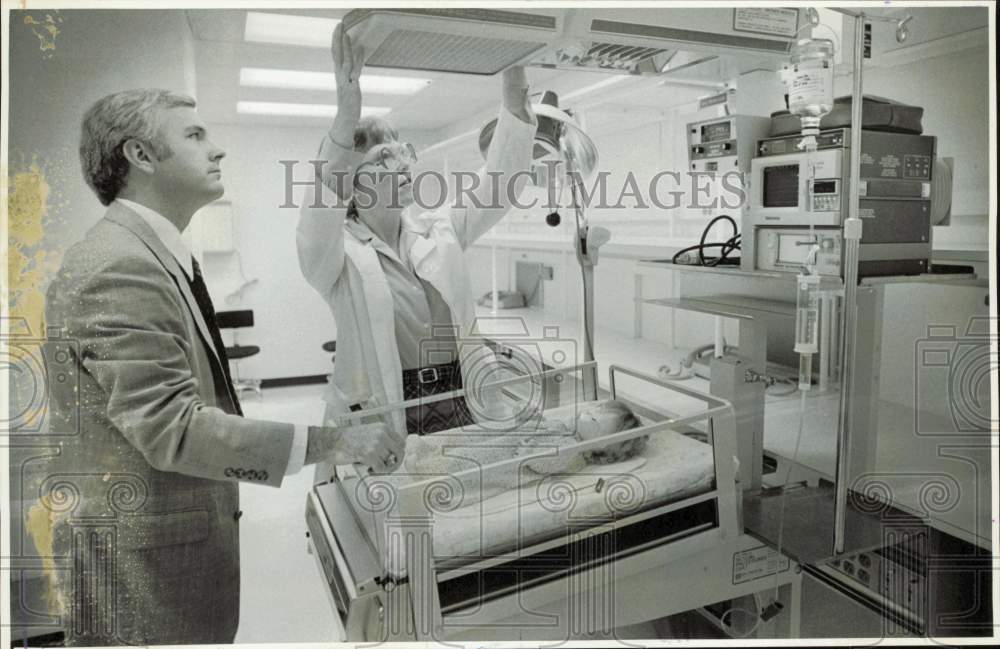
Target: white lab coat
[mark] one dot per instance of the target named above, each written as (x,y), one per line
(347,273)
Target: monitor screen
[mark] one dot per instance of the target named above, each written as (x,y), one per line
(781,186)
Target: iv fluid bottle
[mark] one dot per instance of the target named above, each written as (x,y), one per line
(809,81)
(807,315)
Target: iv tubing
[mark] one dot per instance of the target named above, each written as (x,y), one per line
(784,488)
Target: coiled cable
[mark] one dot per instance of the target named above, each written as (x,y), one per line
(728,246)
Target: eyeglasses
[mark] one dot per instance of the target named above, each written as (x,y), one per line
(403,154)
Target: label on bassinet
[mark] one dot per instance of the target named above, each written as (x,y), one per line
(756,563)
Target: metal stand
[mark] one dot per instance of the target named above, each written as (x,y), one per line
(852,240)
(587,242)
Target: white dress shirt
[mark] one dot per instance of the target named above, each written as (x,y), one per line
(170,237)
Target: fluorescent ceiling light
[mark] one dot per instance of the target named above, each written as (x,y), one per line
(300,110)
(306,31)
(302,80)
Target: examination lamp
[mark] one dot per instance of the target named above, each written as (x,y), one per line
(559,135)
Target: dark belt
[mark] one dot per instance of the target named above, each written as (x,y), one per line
(433,375)
(439,415)
(432,379)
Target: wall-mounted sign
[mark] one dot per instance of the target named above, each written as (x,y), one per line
(713,100)
(773,22)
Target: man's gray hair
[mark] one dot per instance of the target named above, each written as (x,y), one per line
(110,122)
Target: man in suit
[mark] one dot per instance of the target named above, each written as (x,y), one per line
(142,493)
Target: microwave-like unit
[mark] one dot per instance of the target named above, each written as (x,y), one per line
(783,191)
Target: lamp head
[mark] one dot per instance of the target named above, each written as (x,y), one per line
(557,134)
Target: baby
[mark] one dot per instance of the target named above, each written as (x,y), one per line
(608,418)
(594,421)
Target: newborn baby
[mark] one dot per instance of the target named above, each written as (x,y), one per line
(608,418)
(594,421)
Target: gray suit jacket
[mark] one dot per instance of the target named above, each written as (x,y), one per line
(142,493)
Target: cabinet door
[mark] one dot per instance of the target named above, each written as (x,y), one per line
(921,440)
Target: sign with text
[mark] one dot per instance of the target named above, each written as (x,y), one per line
(773,22)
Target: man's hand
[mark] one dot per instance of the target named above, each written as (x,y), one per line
(369,444)
(515,94)
(347,64)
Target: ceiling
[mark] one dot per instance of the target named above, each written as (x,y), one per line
(448,101)
(452,104)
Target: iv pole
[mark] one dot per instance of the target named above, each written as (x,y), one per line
(852,241)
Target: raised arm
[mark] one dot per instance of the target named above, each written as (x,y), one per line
(507,162)
(337,148)
(320,234)
(319,240)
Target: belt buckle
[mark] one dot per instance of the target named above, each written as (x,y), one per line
(432,371)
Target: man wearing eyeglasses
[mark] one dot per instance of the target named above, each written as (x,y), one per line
(394,274)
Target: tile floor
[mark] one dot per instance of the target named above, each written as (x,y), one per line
(283,595)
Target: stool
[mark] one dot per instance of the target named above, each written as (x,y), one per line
(237,320)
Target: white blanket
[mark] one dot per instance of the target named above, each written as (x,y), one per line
(491,512)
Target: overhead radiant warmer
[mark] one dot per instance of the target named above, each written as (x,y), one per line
(629,41)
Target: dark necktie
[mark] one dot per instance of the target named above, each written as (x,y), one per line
(201,295)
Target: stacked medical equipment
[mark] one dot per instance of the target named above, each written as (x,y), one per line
(785,199)
(724,144)
(720,150)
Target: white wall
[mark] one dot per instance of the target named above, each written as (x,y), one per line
(291,320)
